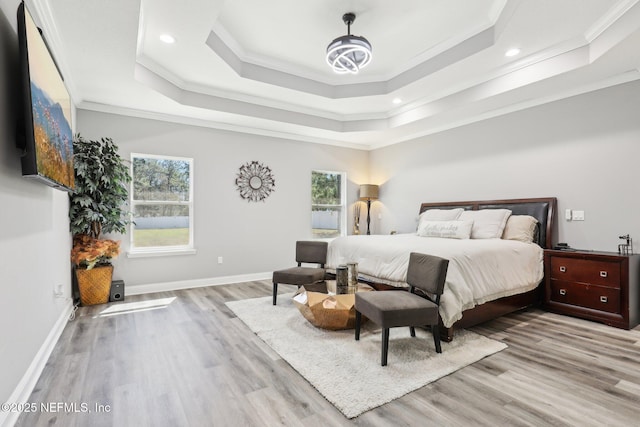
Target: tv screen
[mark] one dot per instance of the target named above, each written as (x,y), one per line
(45,137)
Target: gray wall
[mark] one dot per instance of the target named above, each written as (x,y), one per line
(584,150)
(251,237)
(34,234)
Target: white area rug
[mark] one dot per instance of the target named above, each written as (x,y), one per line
(348,372)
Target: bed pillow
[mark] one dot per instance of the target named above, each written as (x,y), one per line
(440,214)
(487,223)
(520,227)
(447,229)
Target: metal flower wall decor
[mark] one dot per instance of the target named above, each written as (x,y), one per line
(255,182)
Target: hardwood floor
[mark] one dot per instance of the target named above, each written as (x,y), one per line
(185,360)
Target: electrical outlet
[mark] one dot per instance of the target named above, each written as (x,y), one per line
(57,291)
(578,216)
(219,260)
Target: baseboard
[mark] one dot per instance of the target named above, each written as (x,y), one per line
(197,283)
(25,387)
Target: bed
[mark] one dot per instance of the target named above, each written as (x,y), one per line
(487,278)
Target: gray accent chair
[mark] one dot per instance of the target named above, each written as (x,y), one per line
(308,253)
(395,309)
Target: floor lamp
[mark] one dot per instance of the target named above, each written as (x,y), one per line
(368,192)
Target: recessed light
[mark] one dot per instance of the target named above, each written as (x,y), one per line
(397,101)
(512,52)
(167,38)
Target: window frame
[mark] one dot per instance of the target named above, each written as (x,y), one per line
(342,205)
(147,251)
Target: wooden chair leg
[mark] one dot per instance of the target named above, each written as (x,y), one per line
(358,320)
(412,331)
(385,346)
(275,292)
(435,330)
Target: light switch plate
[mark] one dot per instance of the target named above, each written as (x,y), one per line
(578,215)
(567,214)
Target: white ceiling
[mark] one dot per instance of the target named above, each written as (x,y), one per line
(259,66)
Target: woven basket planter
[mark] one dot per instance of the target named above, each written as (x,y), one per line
(95,284)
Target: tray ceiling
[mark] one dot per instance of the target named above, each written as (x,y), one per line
(259,67)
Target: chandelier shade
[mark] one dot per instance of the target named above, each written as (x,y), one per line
(348,54)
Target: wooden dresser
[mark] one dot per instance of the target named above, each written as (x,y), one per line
(600,286)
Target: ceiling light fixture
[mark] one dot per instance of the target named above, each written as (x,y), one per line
(397,101)
(348,54)
(512,52)
(167,38)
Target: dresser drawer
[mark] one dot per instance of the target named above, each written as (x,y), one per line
(601,298)
(604,273)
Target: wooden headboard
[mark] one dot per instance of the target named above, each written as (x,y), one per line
(543,209)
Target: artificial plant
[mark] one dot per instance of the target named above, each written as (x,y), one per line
(98,203)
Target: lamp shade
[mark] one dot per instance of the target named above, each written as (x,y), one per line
(368,192)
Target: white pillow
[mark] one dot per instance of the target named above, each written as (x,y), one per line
(440,214)
(521,228)
(448,229)
(487,223)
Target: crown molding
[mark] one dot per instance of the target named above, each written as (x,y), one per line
(212,124)
(610,18)
(303,81)
(543,65)
(623,78)
(620,79)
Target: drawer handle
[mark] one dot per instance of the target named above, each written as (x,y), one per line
(563,291)
(563,269)
(603,274)
(604,299)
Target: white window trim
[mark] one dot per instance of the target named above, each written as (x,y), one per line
(155,251)
(343,204)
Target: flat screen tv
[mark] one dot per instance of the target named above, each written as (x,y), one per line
(44,133)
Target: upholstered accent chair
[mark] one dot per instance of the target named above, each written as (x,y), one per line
(308,253)
(394,309)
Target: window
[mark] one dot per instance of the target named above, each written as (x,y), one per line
(162,204)
(328,200)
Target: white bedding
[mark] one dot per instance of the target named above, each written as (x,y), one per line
(480,270)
